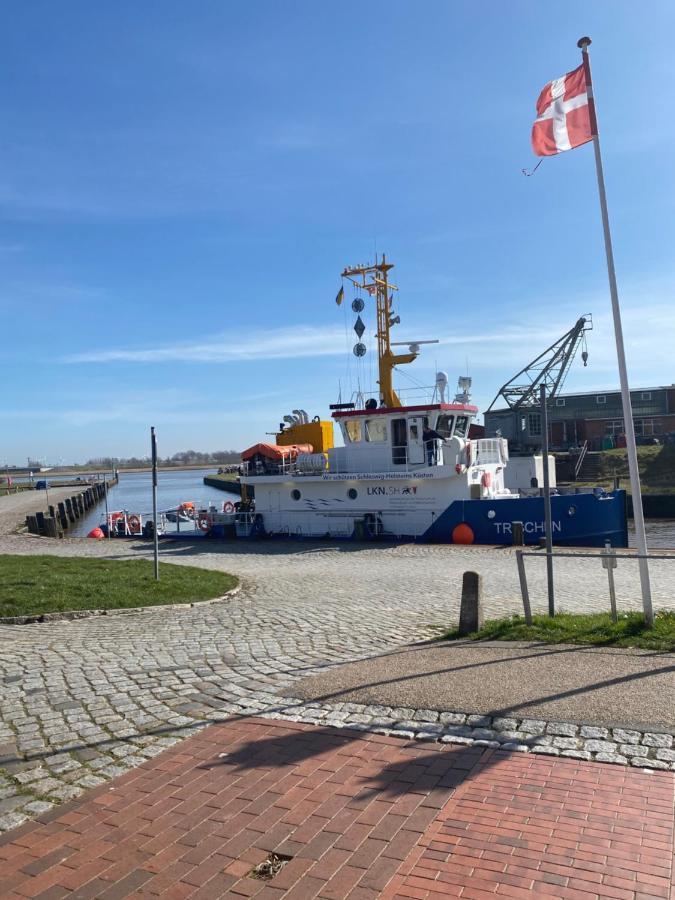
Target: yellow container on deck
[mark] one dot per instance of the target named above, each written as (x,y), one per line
(318,434)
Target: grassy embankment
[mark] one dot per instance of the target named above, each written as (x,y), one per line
(33,585)
(15,489)
(597,630)
(656,465)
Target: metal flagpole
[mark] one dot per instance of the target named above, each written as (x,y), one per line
(638,516)
(153,443)
(547,501)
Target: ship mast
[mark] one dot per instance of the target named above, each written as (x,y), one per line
(375,280)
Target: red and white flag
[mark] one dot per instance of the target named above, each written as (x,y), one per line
(563,118)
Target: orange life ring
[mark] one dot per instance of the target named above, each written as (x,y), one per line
(204,522)
(134,524)
(115,517)
(486,479)
(228,507)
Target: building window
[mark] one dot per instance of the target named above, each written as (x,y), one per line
(559,401)
(643,427)
(600,399)
(614,427)
(646,395)
(534,424)
(353,430)
(376,430)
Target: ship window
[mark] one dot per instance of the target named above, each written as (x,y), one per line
(444,425)
(295,494)
(353,430)
(352,493)
(462,426)
(376,430)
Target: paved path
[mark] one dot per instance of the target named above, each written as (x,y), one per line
(357,817)
(84,701)
(15,507)
(608,686)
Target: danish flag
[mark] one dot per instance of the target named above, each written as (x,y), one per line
(563,115)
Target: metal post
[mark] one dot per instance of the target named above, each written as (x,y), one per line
(522,577)
(153,442)
(547,501)
(638,515)
(609,563)
(107,516)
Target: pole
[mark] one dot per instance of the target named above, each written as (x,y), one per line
(153,443)
(547,501)
(108,528)
(610,562)
(638,515)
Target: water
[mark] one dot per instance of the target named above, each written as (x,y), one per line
(660,534)
(134,493)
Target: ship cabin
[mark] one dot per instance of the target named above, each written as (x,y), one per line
(385,439)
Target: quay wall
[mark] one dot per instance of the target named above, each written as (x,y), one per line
(56,520)
(223,484)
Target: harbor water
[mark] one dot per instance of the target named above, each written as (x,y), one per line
(133,493)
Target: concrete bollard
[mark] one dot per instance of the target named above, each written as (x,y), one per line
(471,609)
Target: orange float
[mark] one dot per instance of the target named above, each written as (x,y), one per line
(463,534)
(96,534)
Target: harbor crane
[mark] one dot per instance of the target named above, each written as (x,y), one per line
(549,368)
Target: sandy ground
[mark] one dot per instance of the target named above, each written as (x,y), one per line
(15,507)
(608,686)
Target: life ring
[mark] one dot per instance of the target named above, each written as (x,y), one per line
(115,517)
(134,524)
(204,522)
(486,479)
(459,468)
(228,507)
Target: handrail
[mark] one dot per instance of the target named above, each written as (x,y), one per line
(580,459)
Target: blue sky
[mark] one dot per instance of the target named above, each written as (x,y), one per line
(181,184)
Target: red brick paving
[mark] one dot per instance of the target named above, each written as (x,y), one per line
(362,816)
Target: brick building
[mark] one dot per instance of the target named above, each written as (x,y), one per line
(592,416)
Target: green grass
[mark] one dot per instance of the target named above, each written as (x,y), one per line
(32,585)
(656,464)
(597,630)
(15,488)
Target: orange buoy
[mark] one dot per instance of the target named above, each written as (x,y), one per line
(96,533)
(462,534)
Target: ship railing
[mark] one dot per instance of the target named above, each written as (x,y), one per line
(580,459)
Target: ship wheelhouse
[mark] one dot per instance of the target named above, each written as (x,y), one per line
(401,438)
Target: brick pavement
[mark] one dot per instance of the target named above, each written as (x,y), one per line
(360,815)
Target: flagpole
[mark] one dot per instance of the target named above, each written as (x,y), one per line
(638,515)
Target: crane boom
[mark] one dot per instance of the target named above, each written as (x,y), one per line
(549,368)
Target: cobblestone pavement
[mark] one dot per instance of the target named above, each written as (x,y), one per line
(84,701)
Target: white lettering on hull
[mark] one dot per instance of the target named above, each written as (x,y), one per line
(528,527)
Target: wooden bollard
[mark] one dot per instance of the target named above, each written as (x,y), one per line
(471,608)
(69,509)
(517,534)
(50,527)
(32,525)
(76,507)
(80,504)
(63,517)
(41,523)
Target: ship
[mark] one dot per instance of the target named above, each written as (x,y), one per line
(408,472)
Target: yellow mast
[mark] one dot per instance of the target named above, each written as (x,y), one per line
(374,279)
